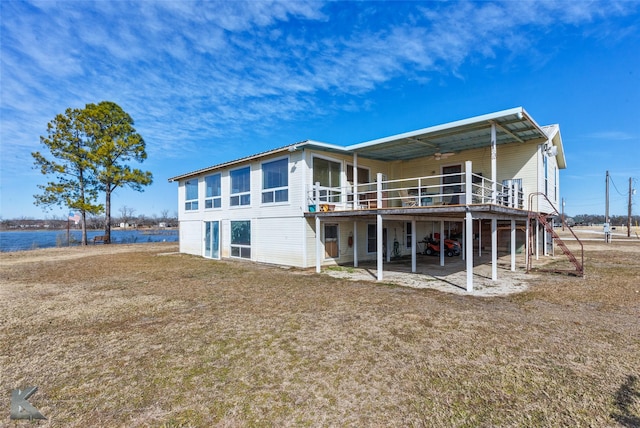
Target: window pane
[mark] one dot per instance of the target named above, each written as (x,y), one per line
(331,231)
(325,172)
(245,252)
(267,197)
(240,180)
(212,185)
(191,188)
(275,174)
(241,232)
(282,195)
(208,203)
(235,201)
(217,203)
(245,199)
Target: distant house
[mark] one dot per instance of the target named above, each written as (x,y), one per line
(313,204)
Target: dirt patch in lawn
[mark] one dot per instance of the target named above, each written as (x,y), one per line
(138,335)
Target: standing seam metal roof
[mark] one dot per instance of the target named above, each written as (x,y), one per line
(513,125)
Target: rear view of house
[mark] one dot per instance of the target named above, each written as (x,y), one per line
(475,181)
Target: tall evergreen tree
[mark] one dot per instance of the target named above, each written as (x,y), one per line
(114,141)
(73,184)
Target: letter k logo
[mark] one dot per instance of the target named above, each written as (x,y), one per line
(21,408)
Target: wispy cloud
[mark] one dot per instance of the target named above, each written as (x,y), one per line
(200,72)
(611,136)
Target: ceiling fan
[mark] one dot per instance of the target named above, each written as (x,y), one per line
(437,156)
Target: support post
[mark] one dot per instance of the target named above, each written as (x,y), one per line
(355,244)
(479,237)
(414,245)
(356,198)
(318,245)
(537,239)
(468,247)
(379,245)
(513,245)
(441,242)
(464,228)
(468,194)
(494,175)
(379,190)
(316,196)
(494,249)
(527,244)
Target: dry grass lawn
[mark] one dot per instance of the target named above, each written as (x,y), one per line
(137,335)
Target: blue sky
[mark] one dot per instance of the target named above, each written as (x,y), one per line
(208,82)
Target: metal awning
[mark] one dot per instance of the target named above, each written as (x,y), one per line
(513,125)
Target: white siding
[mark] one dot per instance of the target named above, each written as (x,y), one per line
(191,237)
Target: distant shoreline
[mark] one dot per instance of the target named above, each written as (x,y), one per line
(74,229)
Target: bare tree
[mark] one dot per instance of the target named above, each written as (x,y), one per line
(126,214)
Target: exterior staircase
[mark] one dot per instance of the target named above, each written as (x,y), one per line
(548,226)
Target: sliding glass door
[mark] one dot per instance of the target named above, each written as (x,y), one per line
(212,239)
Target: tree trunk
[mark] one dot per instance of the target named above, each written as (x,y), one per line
(107,215)
(83,220)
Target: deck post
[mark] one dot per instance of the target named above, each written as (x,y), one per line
(468,195)
(379,245)
(441,242)
(464,233)
(379,227)
(479,237)
(318,244)
(527,244)
(379,190)
(494,175)
(494,249)
(545,239)
(356,198)
(537,238)
(413,246)
(513,245)
(355,243)
(316,196)
(468,247)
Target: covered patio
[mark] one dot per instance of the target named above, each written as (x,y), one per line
(465,215)
(449,278)
(461,196)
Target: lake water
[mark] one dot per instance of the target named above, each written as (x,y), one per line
(30,240)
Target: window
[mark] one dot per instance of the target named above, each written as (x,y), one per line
(191,195)
(212,196)
(275,181)
(363,178)
(363,174)
(372,231)
(240,187)
(241,239)
(555,183)
(545,165)
(327,173)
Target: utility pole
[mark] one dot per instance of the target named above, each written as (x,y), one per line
(607,226)
(629,210)
(606,208)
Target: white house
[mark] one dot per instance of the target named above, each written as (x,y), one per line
(313,204)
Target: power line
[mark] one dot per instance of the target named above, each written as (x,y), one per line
(614,186)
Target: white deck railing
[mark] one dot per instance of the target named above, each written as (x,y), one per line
(433,190)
